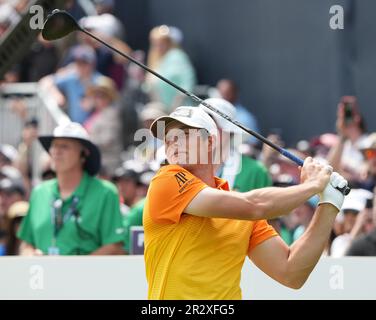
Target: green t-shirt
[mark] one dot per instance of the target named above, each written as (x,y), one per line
(133,218)
(177,67)
(96,222)
(286,235)
(253,175)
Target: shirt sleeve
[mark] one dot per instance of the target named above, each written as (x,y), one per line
(61,82)
(25,231)
(262,231)
(111,226)
(134,218)
(170,192)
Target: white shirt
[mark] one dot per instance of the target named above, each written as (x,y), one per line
(340,245)
(351,156)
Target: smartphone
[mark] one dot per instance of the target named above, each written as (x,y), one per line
(348,112)
(369,204)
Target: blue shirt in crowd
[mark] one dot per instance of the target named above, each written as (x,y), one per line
(74,90)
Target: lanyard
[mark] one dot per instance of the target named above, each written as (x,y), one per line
(58,218)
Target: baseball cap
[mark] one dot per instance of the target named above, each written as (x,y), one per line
(146,177)
(176,34)
(225,107)
(9,152)
(84,53)
(356,200)
(105,23)
(11,186)
(194,117)
(123,173)
(11,173)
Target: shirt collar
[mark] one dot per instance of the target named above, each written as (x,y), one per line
(78,192)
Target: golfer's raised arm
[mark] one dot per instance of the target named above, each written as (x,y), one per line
(291,266)
(265,203)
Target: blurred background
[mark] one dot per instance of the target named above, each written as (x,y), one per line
(290,76)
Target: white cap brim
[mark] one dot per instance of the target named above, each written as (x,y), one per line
(159,131)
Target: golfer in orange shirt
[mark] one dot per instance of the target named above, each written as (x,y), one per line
(198,232)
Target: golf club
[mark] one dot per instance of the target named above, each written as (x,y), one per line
(60,23)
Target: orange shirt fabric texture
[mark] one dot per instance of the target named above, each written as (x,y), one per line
(189,257)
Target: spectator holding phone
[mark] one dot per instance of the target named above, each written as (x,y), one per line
(345,156)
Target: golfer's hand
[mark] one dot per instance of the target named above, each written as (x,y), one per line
(330,194)
(315,173)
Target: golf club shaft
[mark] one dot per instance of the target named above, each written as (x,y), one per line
(197,99)
(282,151)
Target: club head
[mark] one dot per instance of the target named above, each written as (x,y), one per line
(58,24)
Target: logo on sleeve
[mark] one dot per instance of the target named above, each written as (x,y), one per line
(180,178)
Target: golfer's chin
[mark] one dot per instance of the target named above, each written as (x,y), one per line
(180,159)
(184,163)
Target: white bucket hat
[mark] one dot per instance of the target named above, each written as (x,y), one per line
(225,107)
(73,130)
(194,117)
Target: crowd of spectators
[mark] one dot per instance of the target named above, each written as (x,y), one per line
(116,102)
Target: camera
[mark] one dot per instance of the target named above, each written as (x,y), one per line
(369,204)
(348,112)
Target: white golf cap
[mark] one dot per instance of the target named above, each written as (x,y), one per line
(356,200)
(194,117)
(225,107)
(9,152)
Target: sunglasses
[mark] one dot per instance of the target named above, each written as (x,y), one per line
(370,154)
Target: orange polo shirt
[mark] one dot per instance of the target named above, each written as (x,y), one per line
(190,257)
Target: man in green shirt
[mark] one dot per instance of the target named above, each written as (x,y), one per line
(76,213)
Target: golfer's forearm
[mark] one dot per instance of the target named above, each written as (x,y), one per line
(307,250)
(279,201)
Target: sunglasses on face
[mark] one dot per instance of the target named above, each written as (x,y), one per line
(370,154)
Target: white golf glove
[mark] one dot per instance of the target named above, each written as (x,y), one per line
(331,194)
